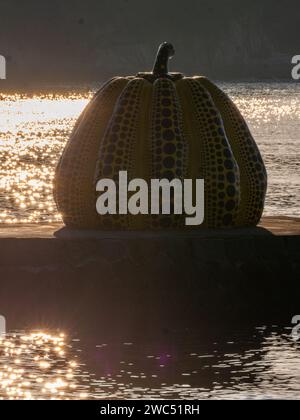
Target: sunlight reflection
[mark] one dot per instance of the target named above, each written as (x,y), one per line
(33,131)
(35,366)
(262,363)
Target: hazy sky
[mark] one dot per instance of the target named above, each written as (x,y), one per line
(68,41)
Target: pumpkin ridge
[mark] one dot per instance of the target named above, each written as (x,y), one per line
(117,151)
(169,151)
(74,180)
(78,122)
(196,166)
(221,171)
(143,154)
(253,172)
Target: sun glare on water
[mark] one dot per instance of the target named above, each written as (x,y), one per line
(37,366)
(33,132)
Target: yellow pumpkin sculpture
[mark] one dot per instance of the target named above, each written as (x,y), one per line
(162,125)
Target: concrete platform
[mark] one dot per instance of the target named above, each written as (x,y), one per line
(51,274)
(279,226)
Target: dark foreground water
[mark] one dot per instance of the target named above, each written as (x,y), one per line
(247,362)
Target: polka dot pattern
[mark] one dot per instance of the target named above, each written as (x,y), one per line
(74,188)
(252,168)
(117,150)
(155,128)
(217,164)
(169,149)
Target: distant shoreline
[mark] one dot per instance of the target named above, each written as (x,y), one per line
(86,87)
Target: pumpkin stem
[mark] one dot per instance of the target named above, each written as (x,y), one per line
(165,53)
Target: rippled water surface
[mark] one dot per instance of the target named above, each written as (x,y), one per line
(260,362)
(34,130)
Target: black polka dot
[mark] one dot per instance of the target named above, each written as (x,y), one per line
(166,112)
(231,177)
(227,153)
(168,135)
(169,148)
(231,191)
(167,123)
(228,164)
(169,162)
(166,102)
